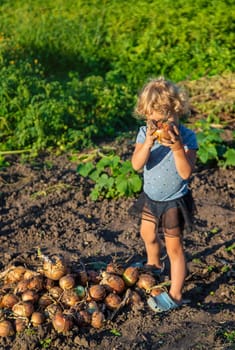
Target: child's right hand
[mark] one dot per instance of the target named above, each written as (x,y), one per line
(150,138)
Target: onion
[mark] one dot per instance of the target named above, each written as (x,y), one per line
(37,318)
(156,291)
(6,328)
(162,131)
(22,286)
(67,282)
(15,275)
(36,283)
(70,297)
(82,277)
(134,299)
(45,300)
(130,275)
(81,291)
(93,276)
(97,319)
(52,309)
(115,268)
(49,283)
(30,295)
(113,282)
(56,292)
(146,281)
(9,300)
(112,301)
(54,268)
(97,292)
(23,308)
(20,324)
(62,323)
(30,274)
(83,318)
(92,307)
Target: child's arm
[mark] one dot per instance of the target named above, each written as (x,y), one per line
(142,151)
(184,159)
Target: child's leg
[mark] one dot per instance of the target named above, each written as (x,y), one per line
(175,251)
(151,240)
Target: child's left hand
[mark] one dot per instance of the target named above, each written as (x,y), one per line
(175,141)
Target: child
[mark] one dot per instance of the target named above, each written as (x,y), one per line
(166,198)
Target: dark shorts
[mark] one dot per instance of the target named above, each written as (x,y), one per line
(169,214)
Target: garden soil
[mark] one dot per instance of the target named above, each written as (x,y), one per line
(45,208)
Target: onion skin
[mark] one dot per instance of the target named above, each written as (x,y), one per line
(20,324)
(36,283)
(9,300)
(162,131)
(45,300)
(6,329)
(97,292)
(112,301)
(15,275)
(115,268)
(146,281)
(23,309)
(52,309)
(55,292)
(70,297)
(54,268)
(37,318)
(67,282)
(130,275)
(30,295)
(113,283)
(22,286)
(156,291)
(82,277)
(62,323)
(83,318)
(97,319)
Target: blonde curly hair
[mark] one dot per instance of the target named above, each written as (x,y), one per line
(161,96)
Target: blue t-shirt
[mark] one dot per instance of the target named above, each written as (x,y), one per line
(161,179)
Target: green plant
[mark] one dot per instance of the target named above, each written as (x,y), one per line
(212,146)
(45,343)
(112,177)
(230,336)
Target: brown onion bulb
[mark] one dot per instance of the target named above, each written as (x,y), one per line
(112,301)
(45,300)
(115,268)
(135,298)
(97,292)
(15,275)
(30,274)
(56,292)
(67,282)
(52,309)
(83,318)
(70,297)
(113,282)
(93,276)
(82,277)
(49,283)
(97,319)
(22,286)
(23,308)
(155,290)
(20,324)
(6,328)
(37,318)
(54,268)
(62,323)
(30,295)
(36,283)
(146,281)
(9,300)
(130,275)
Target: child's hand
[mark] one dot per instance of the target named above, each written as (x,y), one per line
(175,142)
(150,138)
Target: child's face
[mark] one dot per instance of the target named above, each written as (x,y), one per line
(161,117)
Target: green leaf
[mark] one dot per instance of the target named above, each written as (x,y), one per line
(229,155)
(115,332)
(85,169)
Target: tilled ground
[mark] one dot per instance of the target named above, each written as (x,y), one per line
(45,204)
